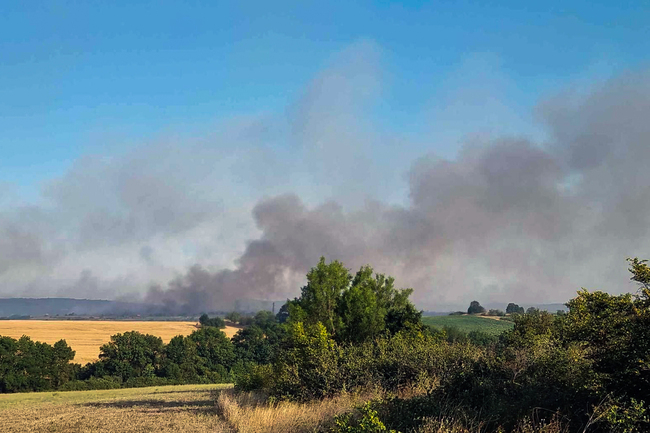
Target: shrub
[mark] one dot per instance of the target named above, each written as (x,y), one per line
(366,421)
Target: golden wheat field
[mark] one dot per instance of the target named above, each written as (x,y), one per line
(86,336)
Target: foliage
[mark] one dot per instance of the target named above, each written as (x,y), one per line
(319,299)
(367,421)
(129,355)
(233,317)
(306,367)
(513,308)
(216,322)
(475,308)
(352,309)
(27,365)
(495,313)
(614,331)
(215,349)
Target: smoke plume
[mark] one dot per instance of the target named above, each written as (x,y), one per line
(512,218)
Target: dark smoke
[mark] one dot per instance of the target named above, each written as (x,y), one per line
(509,218)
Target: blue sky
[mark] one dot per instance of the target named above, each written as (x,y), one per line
(138,139)
(76,76)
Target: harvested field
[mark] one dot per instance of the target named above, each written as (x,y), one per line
(184,408)
(166,409)
(86,336)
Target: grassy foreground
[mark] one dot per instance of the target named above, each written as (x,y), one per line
(469,323)
(182,408)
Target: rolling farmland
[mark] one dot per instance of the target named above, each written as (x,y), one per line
(86,336)
(468,323)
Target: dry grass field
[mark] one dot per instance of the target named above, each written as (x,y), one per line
(86,336)
(184,408)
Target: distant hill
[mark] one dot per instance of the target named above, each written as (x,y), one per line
(41,307)
(38,307)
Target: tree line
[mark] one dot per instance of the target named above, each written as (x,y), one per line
(589,367)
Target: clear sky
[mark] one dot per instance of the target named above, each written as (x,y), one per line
(149,134)
(74,73)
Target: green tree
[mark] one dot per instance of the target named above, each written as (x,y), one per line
(475,308)
(364,306)
(130,355)
(233,316)
(320,297)
(181,360)
(251,345)
(513,308)
(216,322)
(214,348)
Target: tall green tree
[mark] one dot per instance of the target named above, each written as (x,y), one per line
(320,297)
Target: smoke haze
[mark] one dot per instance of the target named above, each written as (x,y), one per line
(246,210)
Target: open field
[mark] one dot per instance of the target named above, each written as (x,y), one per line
(86,336)
(468,323)
(184,408)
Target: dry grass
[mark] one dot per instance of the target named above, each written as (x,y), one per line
(249,413)
(186,408)
(86,336)
(201,408)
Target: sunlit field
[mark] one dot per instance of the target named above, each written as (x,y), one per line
(184,408)
(86,336)
(468,323)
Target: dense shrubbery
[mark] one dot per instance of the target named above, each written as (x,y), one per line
(589,366)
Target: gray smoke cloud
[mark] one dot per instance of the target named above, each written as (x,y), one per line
(508,219)
(513,218)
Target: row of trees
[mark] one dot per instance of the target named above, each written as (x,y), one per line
(345,333)
(476,308)
(352,309)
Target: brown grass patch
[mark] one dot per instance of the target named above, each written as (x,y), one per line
(250,413)
(87,336)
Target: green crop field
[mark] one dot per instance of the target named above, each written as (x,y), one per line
(469,323)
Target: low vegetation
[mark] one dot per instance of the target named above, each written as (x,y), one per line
(352,354)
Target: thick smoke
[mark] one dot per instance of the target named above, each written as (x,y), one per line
(514,218)
(507,219)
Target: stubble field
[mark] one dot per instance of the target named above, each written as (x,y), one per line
(87,336)
(184,408)
(167,409)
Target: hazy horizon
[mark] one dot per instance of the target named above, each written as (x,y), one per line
(199,155)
